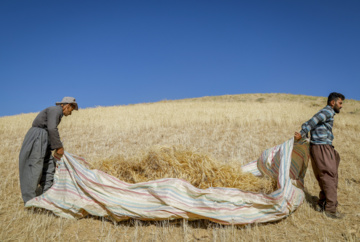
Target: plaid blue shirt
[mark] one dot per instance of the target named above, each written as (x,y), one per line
(320,127)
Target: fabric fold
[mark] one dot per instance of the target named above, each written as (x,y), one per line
(79,191)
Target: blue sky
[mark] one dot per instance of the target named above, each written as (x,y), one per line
(107,53)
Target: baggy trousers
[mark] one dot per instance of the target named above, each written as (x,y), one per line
(325,162)
(36,164)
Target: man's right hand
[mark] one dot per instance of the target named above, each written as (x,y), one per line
(297,136)
(60,151)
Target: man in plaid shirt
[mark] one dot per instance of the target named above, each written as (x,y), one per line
(325,159)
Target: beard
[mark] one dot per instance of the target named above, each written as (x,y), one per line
(336,109)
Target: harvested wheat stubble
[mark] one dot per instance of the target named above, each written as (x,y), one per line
(176,162)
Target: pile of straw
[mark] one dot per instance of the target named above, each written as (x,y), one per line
(198,169)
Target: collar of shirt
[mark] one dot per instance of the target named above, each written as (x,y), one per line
(330,109)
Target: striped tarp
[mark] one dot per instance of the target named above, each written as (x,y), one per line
(79,191)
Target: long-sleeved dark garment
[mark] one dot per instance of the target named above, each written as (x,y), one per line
(49,119)
(36,164)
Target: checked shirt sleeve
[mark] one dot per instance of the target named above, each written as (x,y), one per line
(317,119)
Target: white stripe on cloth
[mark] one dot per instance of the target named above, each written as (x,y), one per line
(79,191)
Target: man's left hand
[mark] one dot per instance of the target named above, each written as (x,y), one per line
(297,136)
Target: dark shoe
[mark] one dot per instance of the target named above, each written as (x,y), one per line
(319,208)
(38,191)
(334,215)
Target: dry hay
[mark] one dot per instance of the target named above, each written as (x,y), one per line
(176,162)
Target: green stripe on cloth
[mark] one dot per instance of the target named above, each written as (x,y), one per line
(79,191)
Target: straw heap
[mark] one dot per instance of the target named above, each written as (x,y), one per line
(198,169)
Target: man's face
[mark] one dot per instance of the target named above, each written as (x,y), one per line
(67,109)
(337,105)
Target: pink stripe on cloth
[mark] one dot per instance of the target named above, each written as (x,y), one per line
(79,191)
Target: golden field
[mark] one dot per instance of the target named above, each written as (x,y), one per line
(229,129)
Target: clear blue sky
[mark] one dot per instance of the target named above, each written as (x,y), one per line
(107,53)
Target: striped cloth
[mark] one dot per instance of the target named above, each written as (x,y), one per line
(79,191)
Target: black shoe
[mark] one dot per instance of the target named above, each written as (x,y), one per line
(334,215)
(319,208)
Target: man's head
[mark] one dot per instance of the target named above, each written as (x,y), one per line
(67,108)
(68,104)
(335,101)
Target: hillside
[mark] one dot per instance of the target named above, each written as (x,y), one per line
(231,128)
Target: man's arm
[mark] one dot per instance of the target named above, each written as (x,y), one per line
(53,120)
(320,117)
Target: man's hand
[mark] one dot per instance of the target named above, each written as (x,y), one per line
(297,136)
(60,151)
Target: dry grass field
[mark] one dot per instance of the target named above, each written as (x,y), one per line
(233,128)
